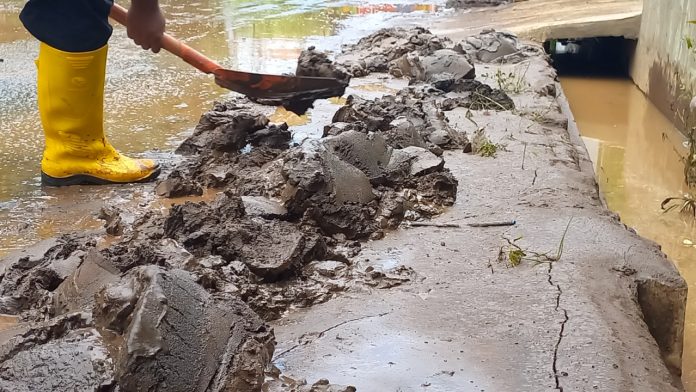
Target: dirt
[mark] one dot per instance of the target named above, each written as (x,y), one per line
(63,354)
(180,299)
(316,63)
(472,94)
(375,52)
(284,383)
(312,63)
(463,4)
(283,231)
(30,276)
(159,315)
(113,221)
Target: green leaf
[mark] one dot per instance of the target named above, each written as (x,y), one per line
(516,256)
(692,21)
(689,42)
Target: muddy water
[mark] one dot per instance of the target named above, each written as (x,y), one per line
(636,152)
(152,101)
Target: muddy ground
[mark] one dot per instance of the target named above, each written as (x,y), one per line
(355,247)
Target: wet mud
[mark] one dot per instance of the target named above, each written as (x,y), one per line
(312,63)
(179,300)
(463,4)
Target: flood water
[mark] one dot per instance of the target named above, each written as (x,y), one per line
(152,101)
(637,153)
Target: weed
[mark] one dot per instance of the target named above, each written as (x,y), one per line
(685,115)
(515,254)
(512,82)
(483,146)
(479,101)
(686,205)
(487,149)
(540,116)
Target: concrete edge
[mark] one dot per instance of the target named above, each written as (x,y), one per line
(661,299)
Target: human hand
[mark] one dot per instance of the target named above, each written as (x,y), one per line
(146,24)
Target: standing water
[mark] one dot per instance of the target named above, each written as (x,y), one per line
(637,153)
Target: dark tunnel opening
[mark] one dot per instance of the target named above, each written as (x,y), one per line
(599,56)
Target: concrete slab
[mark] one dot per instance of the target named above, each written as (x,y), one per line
(540,20)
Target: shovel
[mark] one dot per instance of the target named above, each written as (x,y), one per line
(286,90)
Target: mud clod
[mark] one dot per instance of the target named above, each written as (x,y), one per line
(113,222)
(491,46)
(375,52)
(163,348)
(177,185)
(71,354)
(315,63)
(462,4)
(312,63)
(283,383)
(31,275)
(223,129)
(474,95)
(441,64)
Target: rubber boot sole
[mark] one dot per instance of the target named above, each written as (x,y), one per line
(84,179)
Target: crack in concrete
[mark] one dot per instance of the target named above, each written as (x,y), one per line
(321,333)
(559,292)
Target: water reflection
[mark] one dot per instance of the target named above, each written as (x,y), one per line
(636,152)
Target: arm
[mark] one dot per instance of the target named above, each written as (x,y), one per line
(146,24)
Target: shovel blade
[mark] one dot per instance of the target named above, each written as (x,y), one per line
(279,87)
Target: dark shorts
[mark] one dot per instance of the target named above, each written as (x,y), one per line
(69,25)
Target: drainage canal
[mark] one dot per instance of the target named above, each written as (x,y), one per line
(636,153)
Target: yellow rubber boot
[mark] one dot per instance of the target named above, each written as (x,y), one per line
(71,104)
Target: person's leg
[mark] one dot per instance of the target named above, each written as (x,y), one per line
(71,70)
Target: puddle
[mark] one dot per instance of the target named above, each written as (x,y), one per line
(636,154)
(8,321)
(153,100)
(282,115)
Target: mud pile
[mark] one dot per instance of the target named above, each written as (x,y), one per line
(282,383)
(134,331)
(459,4)
(421,56)
(442,74)
(494,46)
(178,299)
(375,52)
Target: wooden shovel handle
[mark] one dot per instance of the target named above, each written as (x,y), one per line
(172,45)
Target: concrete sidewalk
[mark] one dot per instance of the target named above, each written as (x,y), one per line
(547,19)
(471,322)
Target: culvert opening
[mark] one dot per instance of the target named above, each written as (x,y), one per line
(599,56)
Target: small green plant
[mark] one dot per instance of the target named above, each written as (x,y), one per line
(478,101)
(690,41)
(488,149)
(514,254)
(540,116)
(483,146)
(685,116)
(512,82)
(686,205)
